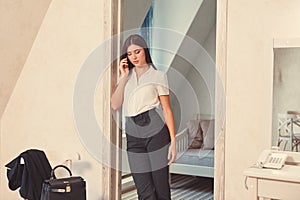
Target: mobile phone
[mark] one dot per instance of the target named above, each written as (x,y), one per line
(130,65)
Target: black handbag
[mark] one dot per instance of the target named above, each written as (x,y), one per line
(71,188)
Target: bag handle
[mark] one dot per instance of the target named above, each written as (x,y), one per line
(59,166)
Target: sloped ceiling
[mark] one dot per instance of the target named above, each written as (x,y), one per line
(20,22)
(134,13)
(203,22)
(199,29)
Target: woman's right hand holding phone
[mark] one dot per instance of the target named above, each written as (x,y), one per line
(124,67)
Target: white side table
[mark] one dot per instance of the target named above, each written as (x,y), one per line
(283,184)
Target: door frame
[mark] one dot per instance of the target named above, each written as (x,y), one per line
(111,186)
(110,175)
(220,99)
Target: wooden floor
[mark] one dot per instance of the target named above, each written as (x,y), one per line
(183,188)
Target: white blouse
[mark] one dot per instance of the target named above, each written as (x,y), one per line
(142,95)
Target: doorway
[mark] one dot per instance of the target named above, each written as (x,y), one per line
(221,27)
(168,35)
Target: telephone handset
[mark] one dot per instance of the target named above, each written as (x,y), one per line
(130,65)
(271,159)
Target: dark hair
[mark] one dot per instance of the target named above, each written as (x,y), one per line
(136,40)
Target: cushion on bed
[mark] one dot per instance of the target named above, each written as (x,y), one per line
(208,130)
(195,134)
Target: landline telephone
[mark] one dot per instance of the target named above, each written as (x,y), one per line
(271,159)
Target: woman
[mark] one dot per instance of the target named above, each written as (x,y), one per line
(151,145)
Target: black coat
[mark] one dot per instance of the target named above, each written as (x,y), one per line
(29,176)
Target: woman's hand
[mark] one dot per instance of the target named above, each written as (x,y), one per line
(172,152)
(124,67)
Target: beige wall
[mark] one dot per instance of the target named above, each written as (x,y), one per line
(252,25)
(39,113)
(19,26)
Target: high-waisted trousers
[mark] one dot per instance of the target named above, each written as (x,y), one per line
(148,142)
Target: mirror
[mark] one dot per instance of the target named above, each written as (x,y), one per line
(195,19)
(286,96)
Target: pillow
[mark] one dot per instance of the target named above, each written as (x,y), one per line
(208,129)
(195,134)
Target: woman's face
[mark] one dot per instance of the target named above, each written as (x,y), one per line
(136,55)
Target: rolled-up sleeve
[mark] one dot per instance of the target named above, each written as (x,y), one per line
(162,85)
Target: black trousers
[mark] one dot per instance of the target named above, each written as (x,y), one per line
(147,148)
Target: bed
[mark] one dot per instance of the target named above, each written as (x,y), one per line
(195,161)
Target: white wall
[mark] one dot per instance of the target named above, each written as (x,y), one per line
(39,113)
(203,30)
(176,17)
(210,43)
(252,25)
(204,88)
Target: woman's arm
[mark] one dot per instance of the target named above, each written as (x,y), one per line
(169,119)
(117,97)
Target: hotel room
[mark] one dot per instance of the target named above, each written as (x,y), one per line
(59,65)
